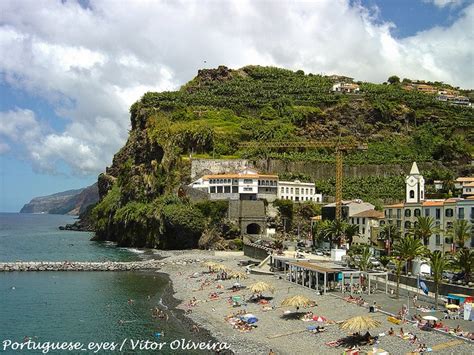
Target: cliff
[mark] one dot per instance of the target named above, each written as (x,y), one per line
(72,202)
(141,203)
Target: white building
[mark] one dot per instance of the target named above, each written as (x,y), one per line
(415,191)
(346,87)
(443,211)
(368,222)
(250,185)
(298,191)
(245,185)
(463,180)
(468,189)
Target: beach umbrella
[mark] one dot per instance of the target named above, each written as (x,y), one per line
(210,264)
(220,267)
(360,323)
(452,306)
(430,318)
(260,287)
(238,275)
(297,301)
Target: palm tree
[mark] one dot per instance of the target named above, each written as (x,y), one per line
(390,233)
(364,262)
(438,263)
(460,232)
(351,231)
(409,248)
(424,228)
(319,232)
(464,261)
(399,263)
(335,231)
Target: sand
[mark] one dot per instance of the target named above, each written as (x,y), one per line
(273,332)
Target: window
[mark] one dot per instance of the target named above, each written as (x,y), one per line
(449,225)
(227,189)
(390,213)
(358,220)
(297,198)
(399,224)
(449,212)
(438,239)
(291,190)
(417,212)
(287,190)
(399,213)
(422,195)
(407,225)
(235,189)
(219,189)
(427,212)
(412,193)
(407,213)
(461,213)
(247,189)
(282,190)
(382,223)
(248,181)
(297,191)
(213,189)
(438,213)
(363,230)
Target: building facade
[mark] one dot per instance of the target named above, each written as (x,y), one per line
(250,185)
(443,211)
(369,225)
(298,191)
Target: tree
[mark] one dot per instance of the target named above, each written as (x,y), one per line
(464,260)
(438,263)
(424,229)
(335,231)
(319,232)
(393,80)
(364,262)
(409,248)
(399,263)
(351,231)
(390,234)
(460,232)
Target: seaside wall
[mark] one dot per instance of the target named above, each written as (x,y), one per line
(444,289)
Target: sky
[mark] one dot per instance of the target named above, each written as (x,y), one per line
(70,69)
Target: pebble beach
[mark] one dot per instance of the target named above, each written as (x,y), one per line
(273,331)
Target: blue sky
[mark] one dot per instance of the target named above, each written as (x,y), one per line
(69,70)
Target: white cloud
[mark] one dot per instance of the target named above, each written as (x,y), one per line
(444,3)
(92,64)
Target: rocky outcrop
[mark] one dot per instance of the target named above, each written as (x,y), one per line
(72,202)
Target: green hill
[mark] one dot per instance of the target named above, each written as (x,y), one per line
(218,109)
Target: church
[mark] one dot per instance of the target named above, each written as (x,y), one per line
(443,211)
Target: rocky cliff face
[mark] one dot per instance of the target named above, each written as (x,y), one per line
(72,202)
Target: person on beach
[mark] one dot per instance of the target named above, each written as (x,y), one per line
(271,352)
(195,328)
(391,332)
(402,333)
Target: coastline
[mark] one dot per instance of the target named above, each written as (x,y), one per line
(177,272)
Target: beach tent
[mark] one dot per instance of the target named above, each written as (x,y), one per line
(430,318)
(320,319)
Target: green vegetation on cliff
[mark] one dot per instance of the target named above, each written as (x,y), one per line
(141,202)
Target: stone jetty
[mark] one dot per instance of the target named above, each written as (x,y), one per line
(89,266)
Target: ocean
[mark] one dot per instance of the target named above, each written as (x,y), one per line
(84,307)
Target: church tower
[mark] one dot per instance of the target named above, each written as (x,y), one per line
(415,186)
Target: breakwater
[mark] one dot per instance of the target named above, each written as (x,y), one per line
(89,266)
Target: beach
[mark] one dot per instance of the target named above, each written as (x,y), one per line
(273,331)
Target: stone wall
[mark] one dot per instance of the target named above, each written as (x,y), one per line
(444,289)
(201,167)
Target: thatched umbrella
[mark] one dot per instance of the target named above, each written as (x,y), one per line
(220,267)
(210,265)
(297,301)
(260,287)
(238,275)
(360,323)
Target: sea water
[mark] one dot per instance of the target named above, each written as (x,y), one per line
(83,307)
